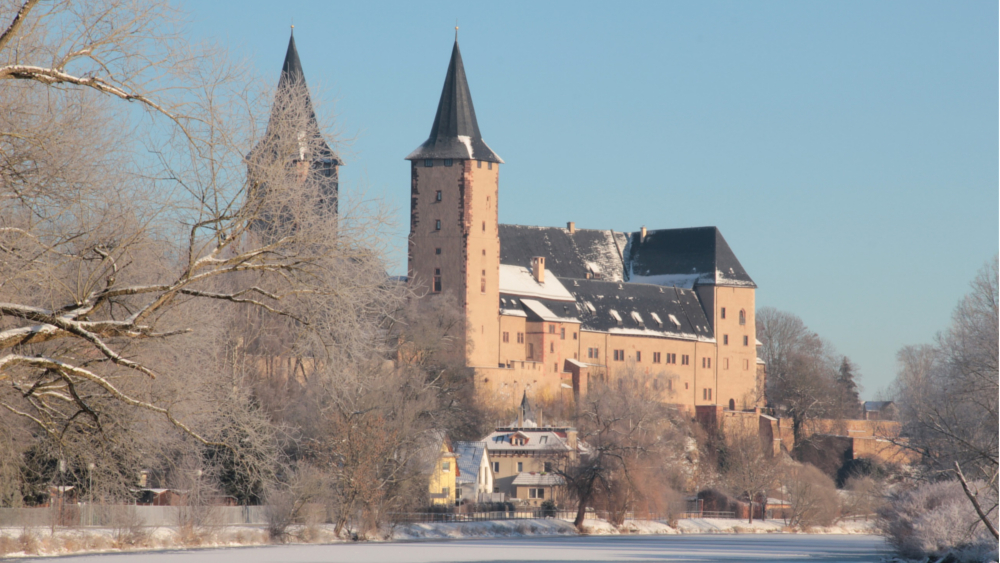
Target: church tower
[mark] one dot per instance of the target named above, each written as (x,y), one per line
(454,244)
(293,137)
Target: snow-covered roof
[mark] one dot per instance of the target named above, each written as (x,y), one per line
(541,311)
(537,440)
(532,479)
(470,460)
(517,280)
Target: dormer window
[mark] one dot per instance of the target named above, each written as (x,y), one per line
(614,315)
(428,163)
(447,162)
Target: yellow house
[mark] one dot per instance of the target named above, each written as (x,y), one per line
(443,474)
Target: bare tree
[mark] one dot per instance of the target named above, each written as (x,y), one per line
(811,494)
(747,467)
(948,393)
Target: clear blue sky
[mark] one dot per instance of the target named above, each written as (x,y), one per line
(848,151)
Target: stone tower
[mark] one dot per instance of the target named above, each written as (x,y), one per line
(294,137)
(454,244)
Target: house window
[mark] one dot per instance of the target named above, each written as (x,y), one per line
(672,359)
(746,340)
(484,252)
(482,284)
(619,355)
(685,360)
(437,225)
(574,336)
(428,163)
(536,493)
(458,492)
(723,312)
(746,365)
(562,334)
(725,340)
(437,251)
(548,467)
(437,280)
(484,226)
(685,385)
(496,469)
(446,491)
(479,164)
(555,367)
(656,357)
(520,466)
(552,346)
(496,489)
(638,356)
(552,329)
(506,337)
(520,338)
(445,466)
(706,362)
(489,166)
(706,394)
(531,350)
(743,317)
(725,363)
(447,162)
(437,197)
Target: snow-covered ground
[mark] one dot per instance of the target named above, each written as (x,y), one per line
(787,548)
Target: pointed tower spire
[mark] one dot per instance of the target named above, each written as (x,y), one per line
(455,132)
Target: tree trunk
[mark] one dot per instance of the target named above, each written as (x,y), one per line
(751,510)
(581,509)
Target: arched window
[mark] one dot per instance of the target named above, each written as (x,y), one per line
(743,317)
(732,405)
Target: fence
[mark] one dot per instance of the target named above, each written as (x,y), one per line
(74,515)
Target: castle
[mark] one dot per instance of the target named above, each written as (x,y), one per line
(551,310)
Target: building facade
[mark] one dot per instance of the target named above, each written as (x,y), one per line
(552,310)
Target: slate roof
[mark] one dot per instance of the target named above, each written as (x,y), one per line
(470,459)
(455,132)
(292,76)
(683,258)
(539,440)
(567,255)
(644,309)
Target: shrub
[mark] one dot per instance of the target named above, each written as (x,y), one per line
(861,467)
(935,520)
(812,495)
(549,509)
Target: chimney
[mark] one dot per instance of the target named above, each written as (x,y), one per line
(642,234)
(538,268)
(540,425)
(571,227)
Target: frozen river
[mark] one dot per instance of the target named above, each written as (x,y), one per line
(693,548)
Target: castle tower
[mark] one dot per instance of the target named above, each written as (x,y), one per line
(454,244)
(293,136)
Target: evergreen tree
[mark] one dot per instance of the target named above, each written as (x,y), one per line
(850,401)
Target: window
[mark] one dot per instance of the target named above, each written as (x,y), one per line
(482,283)
(446,491)
(743,317)
(520,466)
(574,336)
(536,493)
(437,225)
(458,492)
(685,385)
(496,468)
(638,356)
(496,489)
(656,357)
(562,334)
(489,166)
(706,362)
(706,394)
(437,197)
(437,280)
(552,346)
(484,226)
(428,163)
(548,467)
(725,363)
(725,340)
(520,338)
(746,340)
(531,350)
(437,251)
(446,466)
(447,162)
(555,367)
(672,358)
(723,312)
(506,337)
(479,164)
(552,329)
(484,252)
(746,365)
(685,360)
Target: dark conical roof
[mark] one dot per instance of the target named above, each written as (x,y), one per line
(293,77)
(455,133)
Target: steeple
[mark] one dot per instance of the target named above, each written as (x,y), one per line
(455,132)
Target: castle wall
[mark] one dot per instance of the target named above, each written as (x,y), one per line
(736,350)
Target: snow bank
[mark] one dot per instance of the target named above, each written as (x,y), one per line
(492,529)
